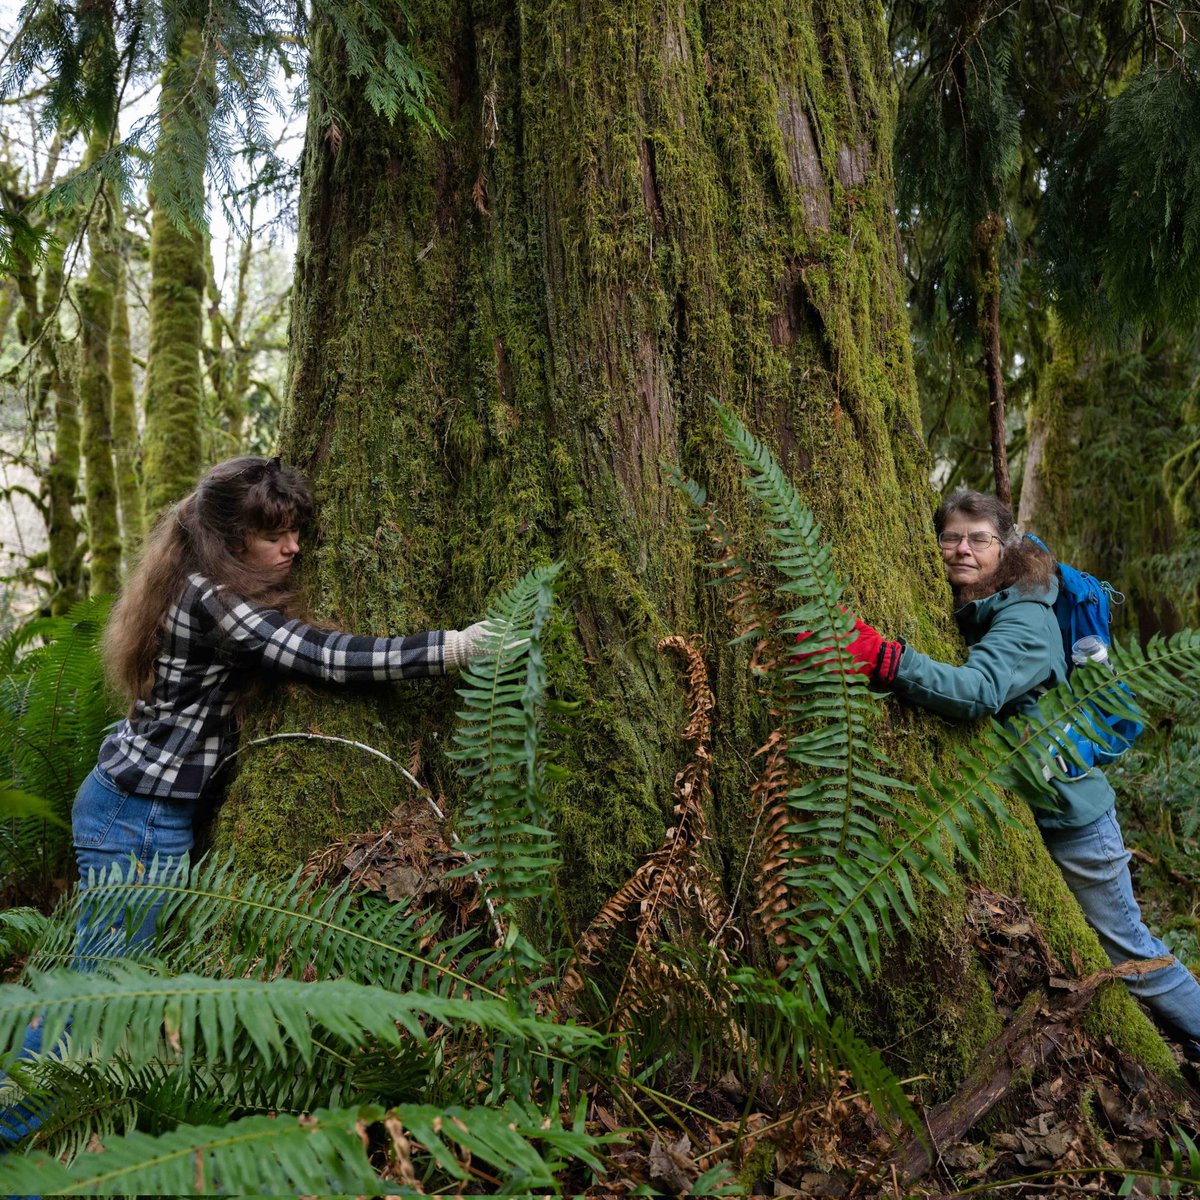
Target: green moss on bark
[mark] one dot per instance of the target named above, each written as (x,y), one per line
(95,299)
(174,391)
(53,382)
(127,448)
(497,339)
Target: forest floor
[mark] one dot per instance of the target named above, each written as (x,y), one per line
(1049,1110)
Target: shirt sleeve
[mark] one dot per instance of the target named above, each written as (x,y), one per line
(266,637)
(1008,661)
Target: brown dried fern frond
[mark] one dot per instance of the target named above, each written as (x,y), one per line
(671,878)
(699,728)
(662,990)
(769,795)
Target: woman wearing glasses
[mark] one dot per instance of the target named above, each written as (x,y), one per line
(1004,590)
(209,612)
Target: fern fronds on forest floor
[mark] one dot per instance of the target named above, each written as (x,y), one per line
(54,711)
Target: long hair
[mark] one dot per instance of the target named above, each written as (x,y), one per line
(1022,563)
(203,534)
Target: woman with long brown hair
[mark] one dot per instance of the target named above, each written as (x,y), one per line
(209,611)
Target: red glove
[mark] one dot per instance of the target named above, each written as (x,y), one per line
(874,657)
(877,658)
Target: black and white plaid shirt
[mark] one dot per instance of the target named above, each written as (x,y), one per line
(214,645)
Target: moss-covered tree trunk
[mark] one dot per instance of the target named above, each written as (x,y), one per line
(228,365)
(499,337)
(53,389)
(127,447)
(174,390)
(95,300)
(64,547)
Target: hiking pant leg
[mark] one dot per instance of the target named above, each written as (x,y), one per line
(1095,864)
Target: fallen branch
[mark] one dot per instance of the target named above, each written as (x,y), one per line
(1032,1037)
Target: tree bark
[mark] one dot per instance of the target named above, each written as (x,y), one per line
(229,366)
(127,449)
(53,386)
(174,389)
(95,299)
(496,340)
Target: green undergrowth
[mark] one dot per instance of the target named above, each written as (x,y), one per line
(273,997)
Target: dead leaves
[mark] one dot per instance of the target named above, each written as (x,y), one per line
(671,1167)
(1086,1105)
(407,859)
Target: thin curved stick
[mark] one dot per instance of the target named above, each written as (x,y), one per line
(421,788)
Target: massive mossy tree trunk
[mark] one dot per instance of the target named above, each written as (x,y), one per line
(174,390)
(499,337)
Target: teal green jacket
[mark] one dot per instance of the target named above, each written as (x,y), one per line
(1015,652)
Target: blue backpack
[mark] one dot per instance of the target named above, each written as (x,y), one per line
(1084,609)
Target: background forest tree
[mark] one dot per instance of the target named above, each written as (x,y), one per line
(517,295)
(1070,126)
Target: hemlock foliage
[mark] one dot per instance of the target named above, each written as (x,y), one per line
(291,1038)
(251,55)
(1076,125)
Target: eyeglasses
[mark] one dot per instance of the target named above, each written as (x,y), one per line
(978,540)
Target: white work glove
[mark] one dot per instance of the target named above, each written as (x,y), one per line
(462,645)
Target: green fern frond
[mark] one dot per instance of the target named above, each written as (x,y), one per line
(1164,677)
(54,706)
(754,1025)
(858,840)
(84,1100)
(793,1035)
(506,822)
(281,926)
(146,1016)
(321,1154)
(324,1153)
(20,930)
(54,710)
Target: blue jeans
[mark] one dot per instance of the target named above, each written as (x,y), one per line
(1095,864)
(120,834)
(116,833)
